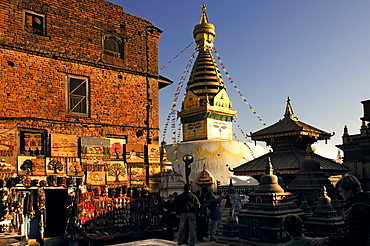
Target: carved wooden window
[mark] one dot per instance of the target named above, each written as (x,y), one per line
(78,96)
(34,23)
(113,47)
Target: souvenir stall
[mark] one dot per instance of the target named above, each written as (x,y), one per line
(93,187)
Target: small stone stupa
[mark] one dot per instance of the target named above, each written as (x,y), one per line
(325,220)
(260,221)
(309,181)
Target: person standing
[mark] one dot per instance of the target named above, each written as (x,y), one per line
(202,218)
(187,204)
(358,215)
(169,216)
(213,205)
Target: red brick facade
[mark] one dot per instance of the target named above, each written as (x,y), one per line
(44,42)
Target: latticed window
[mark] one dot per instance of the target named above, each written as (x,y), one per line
(34,23)
(78,98)
(113,47)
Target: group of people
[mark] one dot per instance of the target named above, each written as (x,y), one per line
(194,215)
(195,212)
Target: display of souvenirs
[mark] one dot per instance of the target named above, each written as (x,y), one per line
(153,153)
(135,153)
(95,178)
(63,145)
(56,166)
(25,165)
(6,167)
(117,148)
(104,210)
(74,167)
(52,180)
(117,172)
(121,212)
(94,156)
(32,143)
(7,146)
(137,175)
(95,147)
(38,167)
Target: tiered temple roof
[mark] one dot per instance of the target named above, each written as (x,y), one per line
(290,140)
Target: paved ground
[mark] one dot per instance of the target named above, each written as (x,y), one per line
(205,242)
(160,242)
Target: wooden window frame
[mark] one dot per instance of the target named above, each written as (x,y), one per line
(73,108)
(120,53)
(31,29)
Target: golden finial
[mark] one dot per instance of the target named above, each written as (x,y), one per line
(269,168)
(289,115)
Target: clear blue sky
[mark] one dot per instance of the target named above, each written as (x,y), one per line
(316,52)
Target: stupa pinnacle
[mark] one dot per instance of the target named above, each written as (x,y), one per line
(206,117)
(206,111)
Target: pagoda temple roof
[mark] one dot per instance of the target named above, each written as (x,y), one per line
(287,162)
(290,126)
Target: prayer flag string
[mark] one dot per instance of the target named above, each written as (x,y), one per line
(172,116)
(241,130)
(179,133)
(235,86)
(176,56)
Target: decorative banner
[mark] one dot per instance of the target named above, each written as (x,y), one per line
(38,167)
(117,173)
(95,148)
(95,155)
(74,167)
(137,175)
(236,88)
(8,145)
(25,165)
(117,148)
(135,153)
(153,153)
(95,178)
(63,145)
(33,143)
(56,166)
(95,174)
(173,115)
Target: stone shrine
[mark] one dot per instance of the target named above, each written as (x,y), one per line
(325,220)
(260,219)
(309,181)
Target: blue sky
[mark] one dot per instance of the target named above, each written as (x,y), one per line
(316,52)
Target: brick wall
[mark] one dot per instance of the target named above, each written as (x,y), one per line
(34,69)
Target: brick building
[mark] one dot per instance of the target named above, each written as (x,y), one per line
(79,98)
(356,149)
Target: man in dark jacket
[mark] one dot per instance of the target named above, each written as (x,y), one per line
(358,215)
(187,205)
(169,216)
